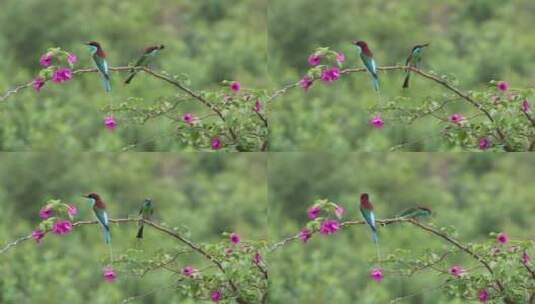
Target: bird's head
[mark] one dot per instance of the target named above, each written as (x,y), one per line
(364,197)
(426,209)
(94,44)
(147,201)
(93,195)
(360,43)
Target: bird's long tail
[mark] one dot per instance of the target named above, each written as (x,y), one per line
(107,83)
(375,238)
(140,231)
(130,76)
(406,83)
(375,81)
(107,235)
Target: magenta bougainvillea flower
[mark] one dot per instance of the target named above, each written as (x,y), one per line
(216,144)
(305,235)
(62,227)
(38,235)
(329,227)
(235,86)
(257,258)
(526,106)
(526,259)
(71,209)
(457,118)
(377,122)
(46,60)
(72,59)
(339,211)
(457,271)
(330,75)
(46,212)
(314,212)
(485,143)
(190,119)
(109,274)
(258,106)
(235,238)
(216,296)
(62,75)
(483,296)
(110,123)
(340,57)
(38,83)
(503,86)
(377,274)
(314,59)
(189,271)
(502,238)
(306,83)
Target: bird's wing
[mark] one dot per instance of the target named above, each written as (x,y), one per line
(409,59)
(102,216)
(370,64)
(141,60)
(102,66)
(372,220)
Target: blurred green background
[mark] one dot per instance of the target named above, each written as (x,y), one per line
(476,193)
(472,42)
(201,194)
(209,40)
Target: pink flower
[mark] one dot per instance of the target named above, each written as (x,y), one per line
(526,106)
(189,271)
(340,57)
(72,59)
(38,83)
(71,209)
(329,227)
(483,296)
(306,83)
(377,274)
(339,211)
(377,122)
(62,227)
(484,143)
(109,274)
(235,86)
(502,238)
(110,123)
(457,271)
(314,212)
(503,86)
(305,235)
(235,238)
(314,60)
(46,60)
(216,296)
(46,212)
(216,144)
(62,75)
(257,258)
(190,119)
(457,118)
(38,235)
(526,259)
(258,106)
(330,75)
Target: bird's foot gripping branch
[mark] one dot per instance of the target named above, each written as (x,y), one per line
(228,117)
(497,270)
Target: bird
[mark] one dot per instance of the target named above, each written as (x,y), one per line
(414,60)
(415,213)
(366,208)
(99,57)
(145,212)
(149,52)
(99,208)
(367,58)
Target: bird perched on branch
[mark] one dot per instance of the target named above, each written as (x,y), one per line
(416,213)
(145,212)
(414,60)
(99,57)
(149,52)
(99,208)
(366,208)
(367,58)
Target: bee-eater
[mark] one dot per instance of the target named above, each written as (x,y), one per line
(416,212)
(149,52)
(414,60)
(99,57)
(366,208)
(367,58)
(145,212)
(99,208)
